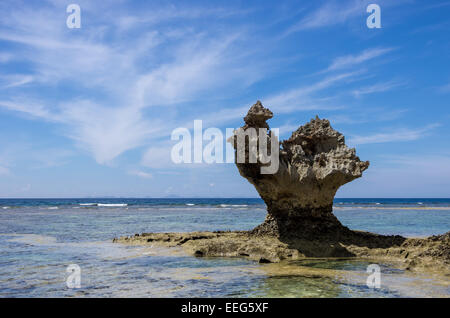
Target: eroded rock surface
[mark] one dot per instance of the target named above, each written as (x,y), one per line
(313,163)
(431,254)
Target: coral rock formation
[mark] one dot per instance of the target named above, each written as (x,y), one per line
(313,163)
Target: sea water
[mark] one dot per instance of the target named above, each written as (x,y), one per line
(40,238)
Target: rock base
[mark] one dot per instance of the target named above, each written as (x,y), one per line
(300,225)
(407,253)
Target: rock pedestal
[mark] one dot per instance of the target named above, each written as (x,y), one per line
(313,163)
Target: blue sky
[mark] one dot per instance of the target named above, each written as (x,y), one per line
(90,111)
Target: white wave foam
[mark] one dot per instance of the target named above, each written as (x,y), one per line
(233,205)
(104,204)
(5,207)
(190,204)
(52,208)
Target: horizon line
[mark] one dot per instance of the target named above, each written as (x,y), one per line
(176,197)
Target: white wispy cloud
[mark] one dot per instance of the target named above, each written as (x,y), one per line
(301,98)
(352,60)
(405,134)
(171,13)
(284,102)
(107,132)
(357,117)
(192,70)
(378,88)
(120,76)
(331,13)
(336,12)
(29,107)
(11,81)
(363,116)
(141,174)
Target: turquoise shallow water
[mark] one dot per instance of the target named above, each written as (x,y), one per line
(40,238)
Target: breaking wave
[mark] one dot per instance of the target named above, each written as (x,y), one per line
(104,204)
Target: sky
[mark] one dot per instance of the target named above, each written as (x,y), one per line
(89,112)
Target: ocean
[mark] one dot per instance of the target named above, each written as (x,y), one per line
(40,238)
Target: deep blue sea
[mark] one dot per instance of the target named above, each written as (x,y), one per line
(39,238)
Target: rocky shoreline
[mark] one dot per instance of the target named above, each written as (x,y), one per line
(313,163)
(432,253)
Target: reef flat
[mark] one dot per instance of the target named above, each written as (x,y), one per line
(312,164)
(432,253)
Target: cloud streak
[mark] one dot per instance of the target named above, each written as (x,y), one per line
(140,174)
(399,135)
(352,60)
(301,98)
(12,81)
(329,14)
(377,88)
